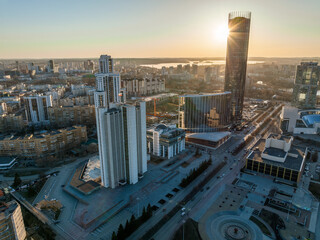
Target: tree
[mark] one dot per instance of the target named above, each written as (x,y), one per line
(149,211)
(315,156)
(31,192)
(17,180)
(114,236)
(121,234)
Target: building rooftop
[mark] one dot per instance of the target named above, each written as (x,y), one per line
(211,136)
(311,119)
(6,209)
(166,131)
(206,94)
(6,160)
(294,159)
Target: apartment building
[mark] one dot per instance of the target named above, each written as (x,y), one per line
(43,143)
(68,116)
(11,122)
(143,86)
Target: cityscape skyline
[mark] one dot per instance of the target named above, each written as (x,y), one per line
(186,31)
(159,147)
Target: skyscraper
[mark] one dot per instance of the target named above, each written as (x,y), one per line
(51,66)
(122,143)
(236,61)
(306,85)
(204,112)
(107,83)
(121,129)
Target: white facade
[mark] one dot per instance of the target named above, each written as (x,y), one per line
(144,86)
(3,108)
(295,121)
(165,142)
(36,108)
(122,143)
(121,129)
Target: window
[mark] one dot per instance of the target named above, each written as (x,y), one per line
(302,97)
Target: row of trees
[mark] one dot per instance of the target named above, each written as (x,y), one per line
(255,132)
(194,173)
(132,225)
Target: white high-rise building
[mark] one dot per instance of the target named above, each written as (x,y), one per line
(37,108)
(122,143)
(107,83)
(121,129)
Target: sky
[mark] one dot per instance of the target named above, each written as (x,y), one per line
(154,28)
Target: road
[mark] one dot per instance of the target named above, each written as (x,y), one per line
(201,199)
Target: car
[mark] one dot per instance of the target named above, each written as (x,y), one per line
(183,213)
(183,209)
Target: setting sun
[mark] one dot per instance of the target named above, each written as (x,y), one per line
(221,33)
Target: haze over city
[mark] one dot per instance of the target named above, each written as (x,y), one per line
(135,29)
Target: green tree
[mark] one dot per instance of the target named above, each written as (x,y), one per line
(17,180)
(121,234)
(114,236)
(31,192)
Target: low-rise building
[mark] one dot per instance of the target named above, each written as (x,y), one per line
(165,141)
(293,120)
(68,116)
(7,162)
(210,139)
(278,157)
(11,221)
(43,143)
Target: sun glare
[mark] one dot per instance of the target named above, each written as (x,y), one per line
(221,33)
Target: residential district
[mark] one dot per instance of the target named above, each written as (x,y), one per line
(161,148)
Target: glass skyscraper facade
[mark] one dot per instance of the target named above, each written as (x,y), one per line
(205,113)
(306,85)
(236,60)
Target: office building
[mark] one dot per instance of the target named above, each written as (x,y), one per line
(204,112)
(44,143)
(122,143)
(72,115)
(278,157)
(300,121)
(208,139)
(11,221)
(306,85)
(50,66)
(36,108)
(236,60)
(165,141)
